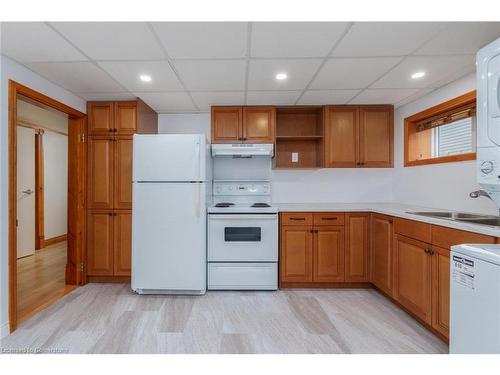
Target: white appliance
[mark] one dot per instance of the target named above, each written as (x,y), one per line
(242,237)
(243,150)
(170,185)
(475,299)
(488,119)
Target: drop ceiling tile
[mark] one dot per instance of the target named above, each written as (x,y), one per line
(262,74)
(386,38)
(112,40)
(437,69)
(168,102)
(220,75)
(205,99)
(203,39)
(420,93)
(294,39)
(382,96)
(272,97)
(327,96)
(346,73)
(77,76)
(461,38)
(107,96)
(35,41)
(128,72)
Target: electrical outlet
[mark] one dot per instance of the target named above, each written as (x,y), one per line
(295,157)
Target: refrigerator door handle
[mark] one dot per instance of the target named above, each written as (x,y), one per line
(197,200)
(198,150)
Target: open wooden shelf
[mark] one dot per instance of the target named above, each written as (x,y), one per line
(299,137)
(299,130)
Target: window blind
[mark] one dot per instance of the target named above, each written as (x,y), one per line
(454,138)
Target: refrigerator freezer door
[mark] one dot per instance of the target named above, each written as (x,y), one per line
(169,157)
(169,238)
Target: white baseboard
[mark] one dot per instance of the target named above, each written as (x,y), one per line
(4,330)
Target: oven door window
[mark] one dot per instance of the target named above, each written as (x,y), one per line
(242,234)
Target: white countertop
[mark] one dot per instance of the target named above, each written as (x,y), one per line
(391,209)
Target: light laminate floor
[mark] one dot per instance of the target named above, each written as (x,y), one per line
(107,318)
(41,279)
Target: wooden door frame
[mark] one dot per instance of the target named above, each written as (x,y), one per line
(15,91)
(39,196)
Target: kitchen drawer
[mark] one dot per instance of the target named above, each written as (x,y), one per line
(328,218)
(296,218)
(239,276)
(413,229)
(447,237)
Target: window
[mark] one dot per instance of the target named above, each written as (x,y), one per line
(441,134)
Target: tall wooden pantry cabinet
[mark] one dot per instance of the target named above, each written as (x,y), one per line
(110,128)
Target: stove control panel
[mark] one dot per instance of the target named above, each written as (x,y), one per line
(242,188)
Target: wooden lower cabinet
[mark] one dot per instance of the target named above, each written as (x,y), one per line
(328,254)
(382,252)
(109,243)
(100,243)
(122,243)
(357,247)
(296,253)
(441,290)
(412,276)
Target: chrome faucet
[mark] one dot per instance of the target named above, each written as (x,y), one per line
(479,193)
(482,193)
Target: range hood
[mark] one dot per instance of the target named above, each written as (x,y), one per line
(243,150)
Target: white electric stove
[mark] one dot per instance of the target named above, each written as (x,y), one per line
(242,237)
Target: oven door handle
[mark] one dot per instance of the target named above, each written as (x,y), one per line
(243,217)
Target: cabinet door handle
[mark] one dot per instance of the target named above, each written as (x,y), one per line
(297,218)
(328,218)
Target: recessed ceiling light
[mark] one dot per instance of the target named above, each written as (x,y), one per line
(417,75)
(281,76)
(145,78)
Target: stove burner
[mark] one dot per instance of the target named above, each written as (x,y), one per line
(260,205)
(224,204)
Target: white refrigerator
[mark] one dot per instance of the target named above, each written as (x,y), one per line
(169,193)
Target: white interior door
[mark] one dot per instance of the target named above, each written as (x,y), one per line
(25,191)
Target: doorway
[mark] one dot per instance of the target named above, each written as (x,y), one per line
(46,201)
(42,196)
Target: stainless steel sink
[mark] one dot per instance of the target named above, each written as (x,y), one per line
(444,214)
(461,216)
(488,220)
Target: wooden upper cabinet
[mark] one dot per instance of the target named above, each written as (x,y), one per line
(100,173)
(122,244)
(123,173)
(341,136)
(376,128)
(296,254)
(357,247)
(125,118)
(382,252)
(100,243)
(328,254)
(412,276)
(259,124)
(227,124)
(100,118)
(441,290)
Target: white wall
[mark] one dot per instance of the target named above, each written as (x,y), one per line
(11,70)
(446,185)
(55,153)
